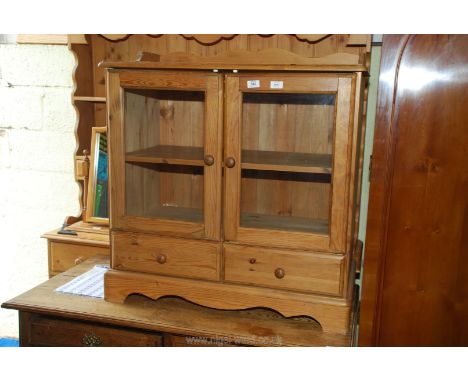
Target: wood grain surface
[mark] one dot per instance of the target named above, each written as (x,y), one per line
(415,284)
(261,327)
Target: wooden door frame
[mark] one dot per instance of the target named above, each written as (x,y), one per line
(340,84)
(382,166)
(211,84)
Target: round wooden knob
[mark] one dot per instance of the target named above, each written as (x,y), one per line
(252,260)
(279,273)
(209,160)
(161,259)
(230,162)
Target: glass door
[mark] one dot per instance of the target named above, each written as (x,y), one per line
(286,160)
(167,163)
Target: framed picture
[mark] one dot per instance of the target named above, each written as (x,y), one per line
(97,203)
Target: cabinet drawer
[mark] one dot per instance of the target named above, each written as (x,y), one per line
(63,256)
(166,256)
(282,269)
(48,331)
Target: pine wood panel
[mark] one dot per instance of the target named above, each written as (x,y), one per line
(166,256)
(342,153)
(232,150)
(163,80)
(301,49)
(358,97)
(212,198)
(333,314)
(303,271)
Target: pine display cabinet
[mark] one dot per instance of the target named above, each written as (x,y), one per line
(236,187)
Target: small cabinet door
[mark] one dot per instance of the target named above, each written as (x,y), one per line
(165,152)
(288,159)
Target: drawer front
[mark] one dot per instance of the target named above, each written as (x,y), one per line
(166,256)
(63,256)
(48,331)
(282,269)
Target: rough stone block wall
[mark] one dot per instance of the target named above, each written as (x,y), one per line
(37,143)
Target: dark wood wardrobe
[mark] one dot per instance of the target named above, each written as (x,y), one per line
(415,279)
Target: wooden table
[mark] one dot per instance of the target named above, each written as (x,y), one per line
(48,318)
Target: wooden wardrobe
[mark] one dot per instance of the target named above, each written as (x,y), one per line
(415,277)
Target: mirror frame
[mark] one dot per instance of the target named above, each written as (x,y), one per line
(92,177)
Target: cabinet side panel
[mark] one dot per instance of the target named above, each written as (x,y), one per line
(116,150)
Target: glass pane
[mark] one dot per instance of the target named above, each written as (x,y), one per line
(287,142)
(164,123)
(290,201)
(164,191)
(164,153)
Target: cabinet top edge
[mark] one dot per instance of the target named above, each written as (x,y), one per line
(240,67)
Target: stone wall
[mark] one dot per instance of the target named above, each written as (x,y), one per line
(37,143)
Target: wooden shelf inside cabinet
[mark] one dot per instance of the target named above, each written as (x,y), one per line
(284,223)
(89,99)
(194,215)
(286,161)
(179,155)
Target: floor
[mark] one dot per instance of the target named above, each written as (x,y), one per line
(9,342)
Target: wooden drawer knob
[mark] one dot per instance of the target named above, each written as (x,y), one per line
(252,260)
(230,162)
(279,273)
(209,160)
(161,259)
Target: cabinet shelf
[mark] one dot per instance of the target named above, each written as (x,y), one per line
(284,223)
(89,99)
(178,213)
(286,161)
(179,155)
